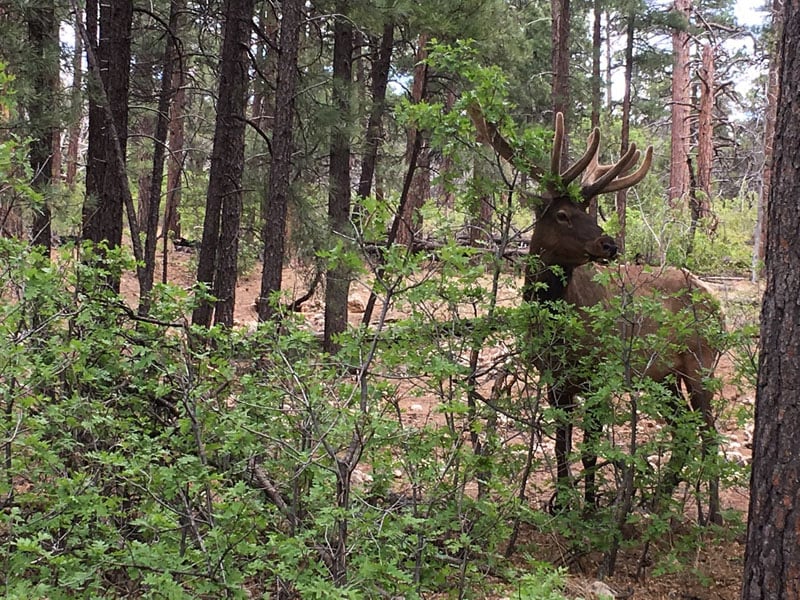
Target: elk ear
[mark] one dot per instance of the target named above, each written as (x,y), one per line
(538,203)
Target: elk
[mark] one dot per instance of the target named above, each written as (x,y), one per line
(566,246)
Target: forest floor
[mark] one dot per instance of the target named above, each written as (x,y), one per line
(715,571)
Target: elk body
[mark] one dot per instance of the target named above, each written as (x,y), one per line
(565,245)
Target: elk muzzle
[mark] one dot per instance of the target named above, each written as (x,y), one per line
(604,248)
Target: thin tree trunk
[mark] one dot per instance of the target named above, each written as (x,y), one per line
(409,218)
(622,195)
(177,152)
(560,63)
(157,174)
(43,38)
(769,133)
(217,263)
(609,62)
(105,190)
(380,81)
(705,140)
(278,187)
(597,42)
(76,109)
(337,281)
(679,175)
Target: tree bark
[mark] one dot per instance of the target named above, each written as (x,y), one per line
(560,62)
(177,117)
(769,133)
(679,175)
(157,174)
(103,206)
(772,555)
(219,250)
(410,219)
(597,41)
(380,81)
(278,187)
(337,282)
(76,110)
(625,133)
(43,38)
(705,128)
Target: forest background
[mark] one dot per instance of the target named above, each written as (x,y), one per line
(162,440)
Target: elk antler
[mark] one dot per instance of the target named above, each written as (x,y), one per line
(598,179)
(488,134)
(602,179)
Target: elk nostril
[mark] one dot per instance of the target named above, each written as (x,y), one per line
(609,247)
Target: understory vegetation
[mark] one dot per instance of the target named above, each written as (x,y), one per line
(145,457)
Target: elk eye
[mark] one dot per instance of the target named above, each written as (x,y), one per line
(562,217)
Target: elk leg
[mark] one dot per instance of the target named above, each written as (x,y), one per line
(562,402)
(676,406)
(701,401)
(591,434)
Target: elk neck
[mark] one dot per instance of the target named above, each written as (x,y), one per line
(546,283)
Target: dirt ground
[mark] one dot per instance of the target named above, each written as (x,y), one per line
(717,567)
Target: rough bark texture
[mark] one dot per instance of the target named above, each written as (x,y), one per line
(76,110)
(622,195)
(156,177)
(177,152)
(337,282)
(43,38)
(380,81)
(597,41)
(410,219)
(678,172)
(769,133)
(220,246)
(705,143)
(280,173)
(772,556)
(103,206)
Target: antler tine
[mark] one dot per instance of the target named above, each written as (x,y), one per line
(488,134)
(558,142)
(633,178)
(591,189)
(593,143)
(597,169)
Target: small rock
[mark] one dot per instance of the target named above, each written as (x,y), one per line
(601,591)
(355,305)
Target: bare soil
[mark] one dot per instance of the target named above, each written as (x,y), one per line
(715,570)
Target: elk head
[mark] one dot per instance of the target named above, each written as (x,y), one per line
(565,233)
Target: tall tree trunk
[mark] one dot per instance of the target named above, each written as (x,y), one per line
(410,219)
(43,38)
(219,250)
(560,62)
(609,62)
(75,109)
(278,187)
(157,173)
(175,142)
(705,138)
(103,206)
(597,42)
(337,281)
(678,171)
(622,195)
(380,81)
(769,133)
(772,555)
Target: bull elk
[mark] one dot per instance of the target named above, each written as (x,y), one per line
(566,245)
